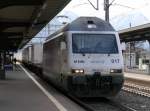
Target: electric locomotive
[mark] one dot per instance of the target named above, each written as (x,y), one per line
(84,58)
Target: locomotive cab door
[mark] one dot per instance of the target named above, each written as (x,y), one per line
(63,57)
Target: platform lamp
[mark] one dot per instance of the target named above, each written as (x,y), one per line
(64,16)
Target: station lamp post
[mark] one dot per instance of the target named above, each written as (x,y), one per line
(65,17)
(106,8)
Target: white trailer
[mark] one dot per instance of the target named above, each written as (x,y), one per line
(37,53)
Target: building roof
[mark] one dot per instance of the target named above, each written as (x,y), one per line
(138,33)
(21,20)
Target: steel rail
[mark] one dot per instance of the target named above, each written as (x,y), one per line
(120,106)
(137,89)
(108,101)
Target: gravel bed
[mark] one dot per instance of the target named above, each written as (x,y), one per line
(134,101)
(104,107)
(138,82)
(100,104)
(131,100)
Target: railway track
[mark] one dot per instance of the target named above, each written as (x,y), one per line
(89,107)
(137,89)
(120,106)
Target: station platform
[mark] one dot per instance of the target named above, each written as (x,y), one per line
(140,77)
(19,93)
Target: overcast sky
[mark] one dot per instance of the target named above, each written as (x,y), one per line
(118,8)
(83,7)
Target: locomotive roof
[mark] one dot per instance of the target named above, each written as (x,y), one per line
(81,24)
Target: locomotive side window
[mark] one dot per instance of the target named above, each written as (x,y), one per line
(63,42)
(94,43)
(63,45)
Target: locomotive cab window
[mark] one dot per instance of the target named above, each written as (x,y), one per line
(63,43)
(94,43)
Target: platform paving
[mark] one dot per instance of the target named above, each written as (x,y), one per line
(141,77)
(19,93)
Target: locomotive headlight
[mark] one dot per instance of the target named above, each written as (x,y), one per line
(112,70)
(115,70)
(81,71)
(76,70)
(91,26)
